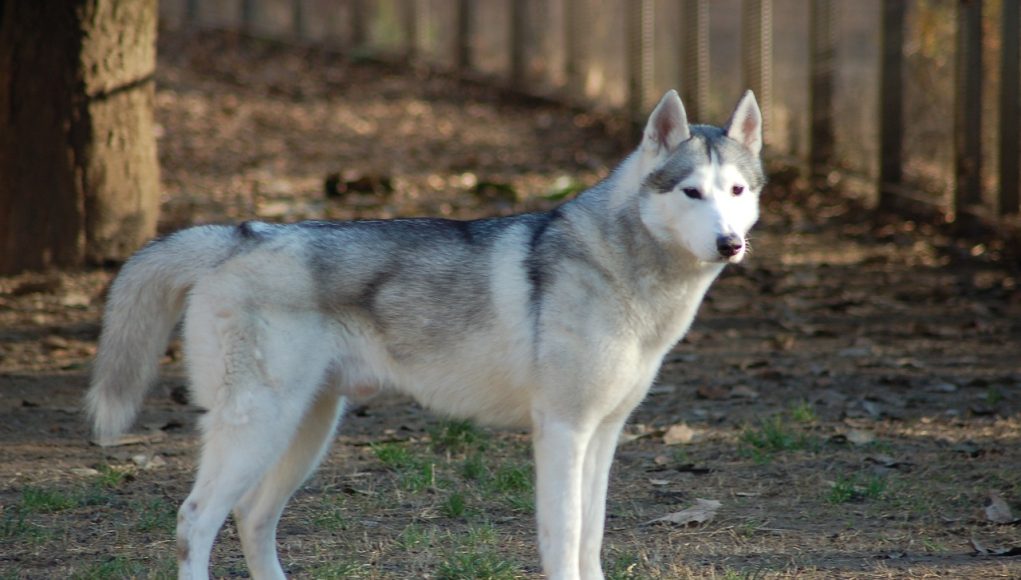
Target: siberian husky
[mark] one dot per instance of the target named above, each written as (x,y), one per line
(556,320)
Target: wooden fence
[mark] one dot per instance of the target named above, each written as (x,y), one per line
(899,99)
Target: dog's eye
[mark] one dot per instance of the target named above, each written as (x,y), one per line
(692,193)
(737,189)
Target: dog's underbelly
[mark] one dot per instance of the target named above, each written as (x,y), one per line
(486,377)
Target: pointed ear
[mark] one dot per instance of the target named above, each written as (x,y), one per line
(745,124)
(667,126)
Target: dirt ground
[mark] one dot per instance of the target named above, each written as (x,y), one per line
(851,394)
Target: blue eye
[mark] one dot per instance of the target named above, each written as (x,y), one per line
(692,193)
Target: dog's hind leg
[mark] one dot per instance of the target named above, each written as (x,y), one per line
(259,510)
(245,433)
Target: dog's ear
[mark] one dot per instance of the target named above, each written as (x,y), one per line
(667,126)
(745,124)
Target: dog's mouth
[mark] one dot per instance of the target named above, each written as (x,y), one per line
(728,259)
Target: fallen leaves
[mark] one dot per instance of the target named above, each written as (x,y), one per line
(702,512)
(680,433)
(719,392)
(982,550)
(998,512)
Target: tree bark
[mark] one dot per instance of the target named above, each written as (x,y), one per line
(79,176)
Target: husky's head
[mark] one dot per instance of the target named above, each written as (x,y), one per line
(701,184)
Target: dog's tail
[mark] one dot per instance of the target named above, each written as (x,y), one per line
(144,303)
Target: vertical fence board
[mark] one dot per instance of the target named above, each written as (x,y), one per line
(572,46)
(1010,108)
(968,106)
(891,101)
(409,23)
(822,58)
(298,24)
(462,39)
(639,34)
(191,12)
(249,12)
(358,30)
(757,56)
(694,73)
(518,34)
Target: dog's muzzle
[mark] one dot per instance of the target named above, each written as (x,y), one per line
(729,245)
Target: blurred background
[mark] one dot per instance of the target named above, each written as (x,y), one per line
(910,105)
(806,59)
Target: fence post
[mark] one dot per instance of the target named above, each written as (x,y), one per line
(518,35)
(1010,112)
(757,56)
(639,21)
(694,60)
(968,106)
(358,35)
(891,101)
(462,38)
(191,12)
(409,16)
(574,20)
(298,27)
(823,60)
(249,10)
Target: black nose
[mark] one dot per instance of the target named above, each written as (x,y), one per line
(729,245)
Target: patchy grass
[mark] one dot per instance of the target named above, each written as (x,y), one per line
(154,515)
(777,434)
(44,501)
(856,488)
(475,554)
(116,567)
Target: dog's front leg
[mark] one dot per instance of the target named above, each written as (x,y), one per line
(598,460)
(559,464)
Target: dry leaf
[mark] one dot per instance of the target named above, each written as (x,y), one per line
(712,392)
(997,510)
(703,511)
(132,439)
(981,550)
(148,462)
(860,436)
(678,434)
(744,392)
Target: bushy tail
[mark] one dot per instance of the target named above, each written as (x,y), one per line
(144,303)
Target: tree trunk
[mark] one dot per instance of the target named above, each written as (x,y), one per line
(79,176)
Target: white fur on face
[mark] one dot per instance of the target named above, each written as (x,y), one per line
(697,224)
